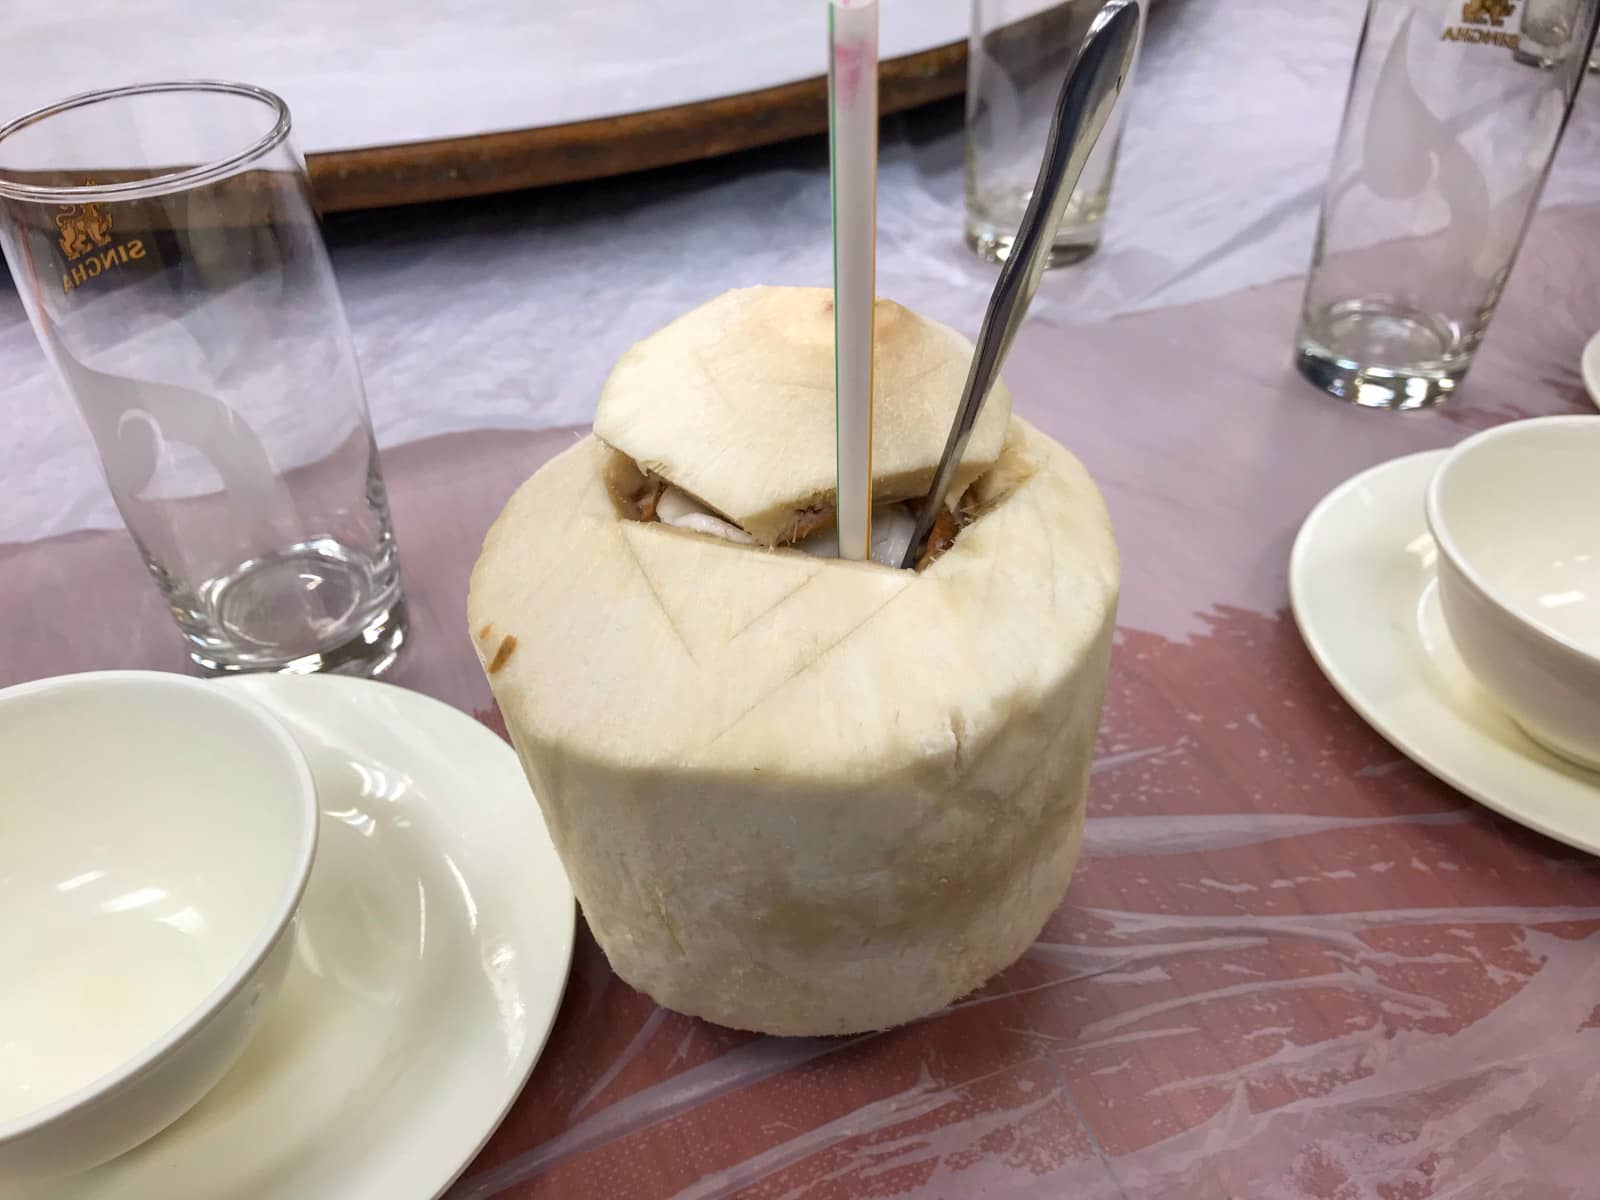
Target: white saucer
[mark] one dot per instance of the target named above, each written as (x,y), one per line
(431,955)
(1591,368)
(1362,583)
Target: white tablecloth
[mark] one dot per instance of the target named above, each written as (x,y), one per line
(508,312)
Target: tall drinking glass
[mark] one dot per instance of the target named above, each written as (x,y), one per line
(1449,131)
(1016,62)
(165,244)
(1548,31)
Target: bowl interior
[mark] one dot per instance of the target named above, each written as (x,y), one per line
(153,834)
(1521,509)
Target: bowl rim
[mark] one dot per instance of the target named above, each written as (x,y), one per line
(258,948)
(1438,526)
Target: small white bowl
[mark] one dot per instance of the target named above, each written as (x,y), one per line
(1516,515)
(156,834)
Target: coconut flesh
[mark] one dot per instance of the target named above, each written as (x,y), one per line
(796,794)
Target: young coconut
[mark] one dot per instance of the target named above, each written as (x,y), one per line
(796,794)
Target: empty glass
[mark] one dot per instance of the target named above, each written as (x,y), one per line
(164,242)
(1449,132)
(1548,31)
(1016,62)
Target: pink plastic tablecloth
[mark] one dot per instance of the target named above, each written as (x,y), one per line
(1291,964)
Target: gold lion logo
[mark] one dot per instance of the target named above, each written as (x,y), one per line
(1487,12)
(83,227)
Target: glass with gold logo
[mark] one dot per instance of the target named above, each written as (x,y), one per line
(164,241)
(1449,131)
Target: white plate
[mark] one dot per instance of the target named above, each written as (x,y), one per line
(1591,368)
(432,951)
(1362,584)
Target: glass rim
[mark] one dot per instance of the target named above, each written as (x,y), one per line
(155,185)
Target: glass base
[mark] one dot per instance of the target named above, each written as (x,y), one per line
(1382,355)
(1074,245)
(369,653)
(314,607)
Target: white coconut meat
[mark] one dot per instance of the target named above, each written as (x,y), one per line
(795,794)
(893,526)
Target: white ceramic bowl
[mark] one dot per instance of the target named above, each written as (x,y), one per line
(156,834)
(1516,515)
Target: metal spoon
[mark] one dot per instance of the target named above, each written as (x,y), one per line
(1089,93)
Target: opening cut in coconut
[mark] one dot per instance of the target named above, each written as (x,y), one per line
(643,495)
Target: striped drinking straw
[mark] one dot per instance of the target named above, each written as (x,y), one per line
(853,175)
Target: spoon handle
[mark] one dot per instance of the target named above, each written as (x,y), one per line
(1088,95)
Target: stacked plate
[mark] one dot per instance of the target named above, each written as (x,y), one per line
(1519,514)
(390,996)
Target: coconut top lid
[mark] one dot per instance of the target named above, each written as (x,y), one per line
(734,403)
